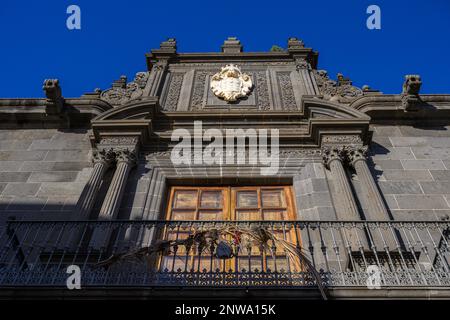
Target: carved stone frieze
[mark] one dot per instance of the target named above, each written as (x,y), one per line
(295,153)
(307,152)
(119,140)
(342,139)
(123,92)
(213,65)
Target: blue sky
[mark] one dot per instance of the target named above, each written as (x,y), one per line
(115,35)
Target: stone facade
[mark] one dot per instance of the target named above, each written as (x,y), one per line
(411,166)
(350,154)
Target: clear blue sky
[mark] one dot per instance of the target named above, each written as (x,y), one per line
(115,35)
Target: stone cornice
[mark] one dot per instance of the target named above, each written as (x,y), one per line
(34,112)
(388,108)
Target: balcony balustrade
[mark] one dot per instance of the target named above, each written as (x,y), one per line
(226,253)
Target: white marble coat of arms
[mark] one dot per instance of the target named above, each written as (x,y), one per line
(230,83)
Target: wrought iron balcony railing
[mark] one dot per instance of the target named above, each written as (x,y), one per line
(226,253)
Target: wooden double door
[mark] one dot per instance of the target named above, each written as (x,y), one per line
(250,203)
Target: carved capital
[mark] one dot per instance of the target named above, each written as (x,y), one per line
(126,156)
(104,156)
(332,153)
(356,154)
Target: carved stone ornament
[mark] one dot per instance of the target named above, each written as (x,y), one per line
(231,84)
(342,139)
(357,154)
(410,95)
(341,90)
(104,156)
(122,92)
(333,153)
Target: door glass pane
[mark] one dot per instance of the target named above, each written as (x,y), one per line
(210,215)
(185,199)
(274,215)
(247,199)
(248,215)
(273,198)
(183,215)
(211,199)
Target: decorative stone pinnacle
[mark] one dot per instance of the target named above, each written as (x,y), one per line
(232,45)
(169,44)
(294,43)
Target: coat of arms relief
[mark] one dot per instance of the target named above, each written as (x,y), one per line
(230,83)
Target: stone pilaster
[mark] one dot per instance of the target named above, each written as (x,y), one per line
(344,202)
(376,209)
(102,160)
(125,160)
(346,208)
(374,201)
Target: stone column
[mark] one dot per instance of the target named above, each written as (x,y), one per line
(380,239)
(125,161)
(374,202)
(102,160)
(345,204)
